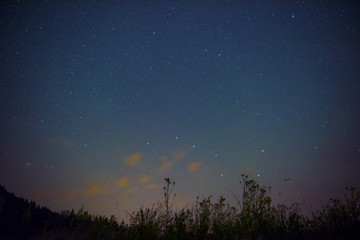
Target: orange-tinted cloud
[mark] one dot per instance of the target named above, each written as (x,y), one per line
(165,166)
(130,190)
(193,167)
(93,190)
(169,162)
(133,159)
(123,182)
(144,179)
(179,155)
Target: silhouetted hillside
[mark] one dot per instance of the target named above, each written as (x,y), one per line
(20,218)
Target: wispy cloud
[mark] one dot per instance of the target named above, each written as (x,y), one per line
(166,165)
(193,167)
(93,190)
(168,162)
(179,154)
(133,159)
(144,179)
(122,182)
(130,190)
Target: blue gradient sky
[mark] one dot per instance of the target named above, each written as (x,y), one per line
(100,102)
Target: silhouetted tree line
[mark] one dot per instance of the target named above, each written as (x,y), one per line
(21,219)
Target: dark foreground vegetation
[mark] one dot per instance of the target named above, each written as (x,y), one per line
(254,217)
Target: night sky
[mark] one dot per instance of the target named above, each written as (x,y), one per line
(101,100)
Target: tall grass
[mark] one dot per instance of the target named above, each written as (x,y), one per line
(254,217)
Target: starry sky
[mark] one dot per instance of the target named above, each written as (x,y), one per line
(102,100)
